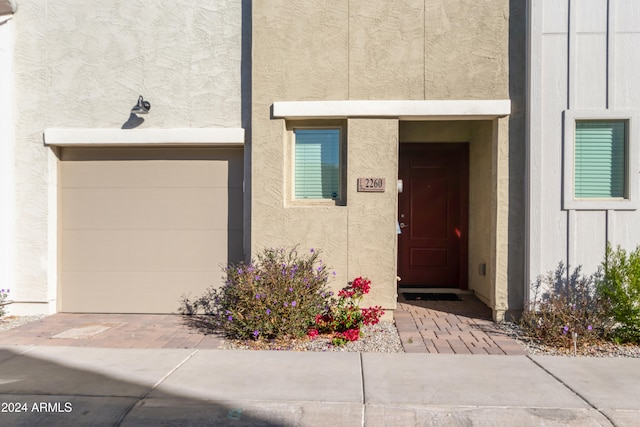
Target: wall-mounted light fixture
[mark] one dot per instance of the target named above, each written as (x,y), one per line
(142,107)
(7,7)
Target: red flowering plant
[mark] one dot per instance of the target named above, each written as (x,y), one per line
(343,316)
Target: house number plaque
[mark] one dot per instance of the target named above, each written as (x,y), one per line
(372,185)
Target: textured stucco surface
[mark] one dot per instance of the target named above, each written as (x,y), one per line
(342,50)
(481,206)
(7,142)
(466,55)
(500,219)
(87,64)
(386,49)
(83,65)
(300,51)
(371,229)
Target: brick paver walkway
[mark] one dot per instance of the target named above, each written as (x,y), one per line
(460,327)
(110,330)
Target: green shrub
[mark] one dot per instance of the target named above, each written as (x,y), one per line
(277,296)
(621,286)
(563,305)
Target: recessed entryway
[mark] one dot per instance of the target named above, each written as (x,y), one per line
(433,215)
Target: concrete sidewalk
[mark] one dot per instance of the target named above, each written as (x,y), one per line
(62,386)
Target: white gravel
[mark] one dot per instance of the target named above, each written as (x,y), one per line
(380,338)
(603,349)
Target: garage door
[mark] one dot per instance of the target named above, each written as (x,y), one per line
(141,227)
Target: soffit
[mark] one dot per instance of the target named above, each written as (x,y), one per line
(402,110)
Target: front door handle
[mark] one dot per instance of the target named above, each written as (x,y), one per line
(403,225)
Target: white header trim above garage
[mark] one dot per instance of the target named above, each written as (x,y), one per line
(224,137)
(403,110)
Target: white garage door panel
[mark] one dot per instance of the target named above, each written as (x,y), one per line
(137,292)
(149,168)
(144,250)
(144,173)
(140,228)
(155,208)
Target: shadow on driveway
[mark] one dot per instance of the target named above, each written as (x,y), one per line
(38,387)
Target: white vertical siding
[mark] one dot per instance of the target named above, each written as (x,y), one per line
(589,51)
(625,228)
(554,14)
(584,55)
(553,232)
(588,246)
(626,45)
(627,62)
(591,70)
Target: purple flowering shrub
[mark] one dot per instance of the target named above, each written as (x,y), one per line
(565,304)
(276,296)
(4,293)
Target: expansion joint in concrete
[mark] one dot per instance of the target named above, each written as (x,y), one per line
(574,391)
(160,381)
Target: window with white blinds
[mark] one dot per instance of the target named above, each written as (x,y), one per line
(317,163)
(600,159)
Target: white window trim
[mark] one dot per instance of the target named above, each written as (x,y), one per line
(631,202)
(291,191)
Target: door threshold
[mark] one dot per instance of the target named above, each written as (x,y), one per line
(417,290)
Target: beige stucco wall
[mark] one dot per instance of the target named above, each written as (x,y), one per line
(344,50)
(414,49)
(481,207)
(371,229)
(467,43)
(83,64)
(343,233)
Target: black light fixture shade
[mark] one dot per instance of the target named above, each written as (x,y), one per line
(142,107)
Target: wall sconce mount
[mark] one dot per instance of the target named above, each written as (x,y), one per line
(142,107)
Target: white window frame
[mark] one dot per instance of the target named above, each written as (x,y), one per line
(632,170)
(317,124)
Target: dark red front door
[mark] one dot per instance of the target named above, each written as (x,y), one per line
(433,212)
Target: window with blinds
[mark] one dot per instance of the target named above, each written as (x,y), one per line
(317,163)
(600,159)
